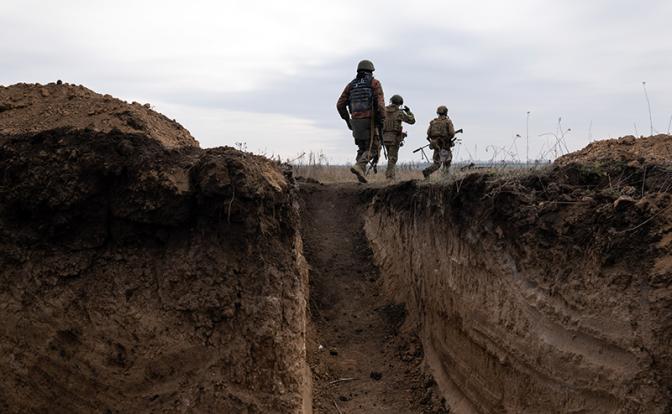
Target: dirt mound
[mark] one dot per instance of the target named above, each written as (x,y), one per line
(549,292)
(32,108)
(651,150)
(137,278)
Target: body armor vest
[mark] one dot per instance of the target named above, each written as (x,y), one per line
(361,94)
(393,120)
(438,128)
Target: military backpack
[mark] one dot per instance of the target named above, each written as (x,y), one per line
(361,94)
(393,119)
(438,128)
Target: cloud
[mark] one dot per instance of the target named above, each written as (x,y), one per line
(216,46)
(269,134)
(275,69)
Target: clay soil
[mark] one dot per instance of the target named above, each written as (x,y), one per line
(140,273)
(363,358)
(31,108)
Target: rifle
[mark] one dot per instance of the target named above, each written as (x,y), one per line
(459,131)
(373,129)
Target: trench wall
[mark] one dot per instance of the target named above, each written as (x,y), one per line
(524,307)
(134,278)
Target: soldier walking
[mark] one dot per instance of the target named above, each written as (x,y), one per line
(440,135)
(393,134)
(362,106)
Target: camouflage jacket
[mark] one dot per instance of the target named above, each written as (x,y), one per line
(378,102)
(392,129)
(441,132)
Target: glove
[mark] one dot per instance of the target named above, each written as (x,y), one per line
(407,109)
(347,121)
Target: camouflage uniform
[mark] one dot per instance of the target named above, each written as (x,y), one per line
(393,134)
(363,120)
(440,135)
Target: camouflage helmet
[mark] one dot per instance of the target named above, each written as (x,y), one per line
(442,110)
(365,65)
(397,100)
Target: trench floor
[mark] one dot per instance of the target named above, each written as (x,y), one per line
(362,361)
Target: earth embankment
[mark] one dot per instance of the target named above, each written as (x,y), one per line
(140,273)
(542,292)
(32,108)
(141,276)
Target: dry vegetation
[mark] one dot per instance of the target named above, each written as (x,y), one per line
(317,167)
(341,173)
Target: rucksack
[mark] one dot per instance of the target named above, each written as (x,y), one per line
(361,94)
(438,128)
(393,120)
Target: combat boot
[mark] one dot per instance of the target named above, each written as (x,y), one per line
(358,173)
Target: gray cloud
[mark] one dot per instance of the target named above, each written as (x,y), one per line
(580,61)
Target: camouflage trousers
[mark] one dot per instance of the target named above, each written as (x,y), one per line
(361,131)
(442,157)
(392,157)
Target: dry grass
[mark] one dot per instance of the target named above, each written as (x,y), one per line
(326,173)
(342,174)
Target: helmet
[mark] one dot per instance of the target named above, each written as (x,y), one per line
(397,100)
(365,65)
(442,110)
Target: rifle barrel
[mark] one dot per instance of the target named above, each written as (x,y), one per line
(424,146)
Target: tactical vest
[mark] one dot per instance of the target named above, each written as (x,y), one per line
(438,128)
(361,94)
(393,118)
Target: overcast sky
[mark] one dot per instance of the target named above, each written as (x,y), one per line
(268,73)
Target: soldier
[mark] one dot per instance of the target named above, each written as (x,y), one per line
(362,106)
(393,136)
(440,135)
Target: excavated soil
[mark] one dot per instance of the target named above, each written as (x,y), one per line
(646,150)
(546,292)
(32,108)
(140,273)
(362,359)
(136,278)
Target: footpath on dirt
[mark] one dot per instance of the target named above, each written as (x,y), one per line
(361,361)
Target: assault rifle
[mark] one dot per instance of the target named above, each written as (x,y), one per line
(459,131)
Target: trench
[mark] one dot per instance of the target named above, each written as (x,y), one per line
(168,281)
(422,286)
(362,358)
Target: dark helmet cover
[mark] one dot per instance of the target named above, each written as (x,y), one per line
(365,65)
